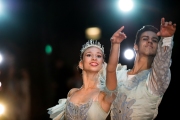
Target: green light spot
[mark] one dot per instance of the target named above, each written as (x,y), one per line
(48,49)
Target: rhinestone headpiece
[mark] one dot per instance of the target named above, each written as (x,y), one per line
(91,43)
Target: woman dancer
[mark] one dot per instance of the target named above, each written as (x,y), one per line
(93,100)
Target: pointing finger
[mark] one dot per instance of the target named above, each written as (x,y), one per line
(118,31)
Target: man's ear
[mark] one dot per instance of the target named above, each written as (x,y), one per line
(135,47)
(80,65)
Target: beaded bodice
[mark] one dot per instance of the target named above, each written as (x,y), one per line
(77,112)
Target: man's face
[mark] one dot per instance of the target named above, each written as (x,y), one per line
(148,44)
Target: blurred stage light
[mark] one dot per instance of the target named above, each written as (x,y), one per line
(93,33)
(129,54)
(1,7)
(2,109)
(125,5)
(48,49)
(1,58)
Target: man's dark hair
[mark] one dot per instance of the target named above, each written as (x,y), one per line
(144,29)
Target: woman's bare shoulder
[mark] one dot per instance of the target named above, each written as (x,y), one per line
(72,91)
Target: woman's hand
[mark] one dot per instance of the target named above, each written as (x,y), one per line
(118,36)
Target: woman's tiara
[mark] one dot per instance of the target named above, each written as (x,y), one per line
(92,43)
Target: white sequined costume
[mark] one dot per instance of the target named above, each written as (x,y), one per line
(139,97)
(91,110)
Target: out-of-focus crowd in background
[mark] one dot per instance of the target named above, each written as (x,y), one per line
(22,99)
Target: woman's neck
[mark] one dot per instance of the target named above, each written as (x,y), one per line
(89,80)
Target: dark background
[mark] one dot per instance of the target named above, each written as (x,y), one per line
(29,25)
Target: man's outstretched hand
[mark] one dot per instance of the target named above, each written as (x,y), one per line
(167,29)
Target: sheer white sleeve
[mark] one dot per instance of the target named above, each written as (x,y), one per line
(160,76)
(168,41)
(57,112)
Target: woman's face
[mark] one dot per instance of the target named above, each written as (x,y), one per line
(92,60)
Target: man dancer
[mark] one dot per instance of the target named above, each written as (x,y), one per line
(141,89)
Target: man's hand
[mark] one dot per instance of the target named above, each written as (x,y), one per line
(118,36)
(167,29)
